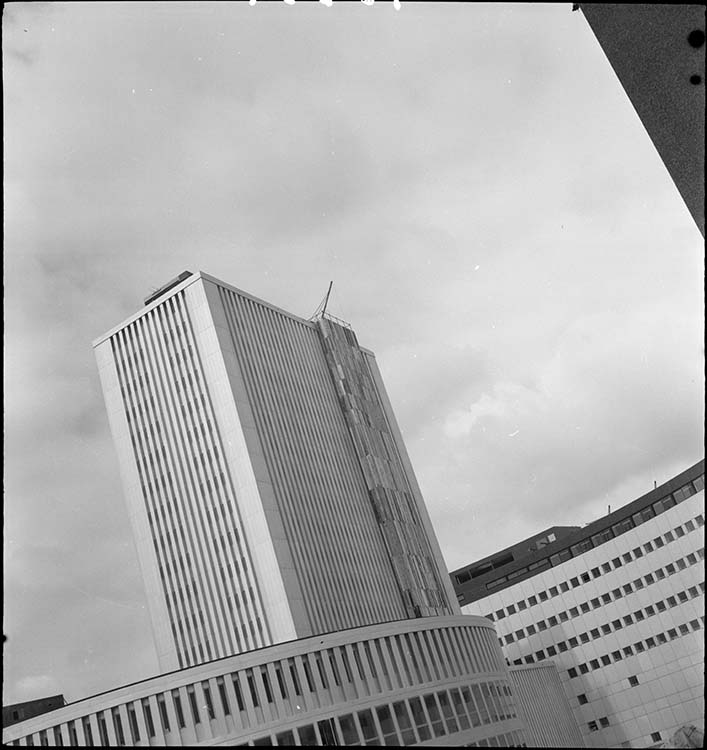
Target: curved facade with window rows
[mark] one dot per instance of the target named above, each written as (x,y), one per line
(623,618)
(433,680)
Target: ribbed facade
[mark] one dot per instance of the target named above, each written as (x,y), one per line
(428,681)
(543,704)
(266,504)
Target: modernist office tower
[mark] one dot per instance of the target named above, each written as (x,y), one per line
(268,487)
(618,605)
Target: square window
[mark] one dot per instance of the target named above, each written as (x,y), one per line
(681,563)
(574,612)
(522,605)
(551,651)
(648,547)
(584,578)
(628,651)
(679,531)
(543,596)
(660,574)
(542,625)
(520,634)
(517,662)
(563,616)
(606,598)
(540,655)
(583,668)
(500,614)
(594,664)
(594,632)
(531,629)
(628,620)
(684,630)
(662,638)
(511,609)
(699,520)
(627,557)
(682,596)
(582,698)
(628,589)
(573,642)
(616,593)
(616,563)
(616,655)
(605,660)
(670,568)
(509,639)
(669,536)
(672,634)
(689,525)
(658,542)
(655,737)
(638,583)
(637,552)
(649,579)
(595,603)
(584,637)
(564,586)
(695,624)
(552,621)
(692,591)
(574,582)
(554,591)
(639,647)
(606,629)
(593,726)
(650,611)
(529,659)
(562,646)
(596,572)
(672,601)
(660,606)
(691,558)
(616,625)
(572,672)
(604,721)
(584,607)
(606,567)
(639,615)
(532,601)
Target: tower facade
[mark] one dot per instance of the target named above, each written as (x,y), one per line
(268,487)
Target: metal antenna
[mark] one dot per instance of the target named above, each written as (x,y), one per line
(326,299)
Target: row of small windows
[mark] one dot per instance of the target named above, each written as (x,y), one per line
(598,571)
(687,490)
(633,681)
(602,723)
(638,647)
(638,616)
(618,593)
(413,720)
(388,663)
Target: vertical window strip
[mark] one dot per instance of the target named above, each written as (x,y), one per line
(213,602)
(354,484)
(177,613)
(426,654)
(399,656)
(217,468)
(201,607)
(158,356)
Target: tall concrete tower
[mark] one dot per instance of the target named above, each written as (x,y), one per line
(268,487)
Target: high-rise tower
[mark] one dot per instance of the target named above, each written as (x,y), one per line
(269,490)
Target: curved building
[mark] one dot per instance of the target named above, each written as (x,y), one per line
(618,605)
(426,681)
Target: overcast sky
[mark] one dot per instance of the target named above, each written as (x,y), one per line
(499,229)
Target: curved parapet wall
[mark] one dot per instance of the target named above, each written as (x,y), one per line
(436,681)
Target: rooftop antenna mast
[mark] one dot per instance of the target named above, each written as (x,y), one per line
(321,309)
(326,299)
